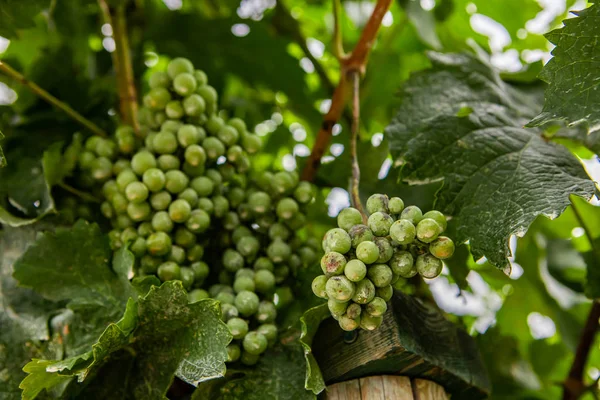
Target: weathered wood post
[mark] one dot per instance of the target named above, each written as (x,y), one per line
(415,354)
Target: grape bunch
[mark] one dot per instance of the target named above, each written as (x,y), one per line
(182,194)
(362,262)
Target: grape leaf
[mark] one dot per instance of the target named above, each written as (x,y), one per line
(423,21)
(573,75)
(18,14)
(2,158)
(507,175)
(589,218)
(310,324)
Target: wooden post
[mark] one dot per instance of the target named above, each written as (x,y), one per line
(386,387)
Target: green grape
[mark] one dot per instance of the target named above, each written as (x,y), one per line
(247,272)
(231,221)
(428,230)
(249,359)
(194,105)
(203,186)
(145,229)
(101,168)
(239,232)
(198,221)
(264,281)
(367,252)
(184,237)
(283,182)
(355,270)
(369,322)
(238,124)
(170,126)
(349,217)
(142,161)
(403,231)
(428,266)
(128,234)
(105,148)
(287,208)
(260,202)
(187,277)
(380,223)
(119,203)
(120,166)
(413,214)
(180,210)
(159,79)
(232,260)
(237,327)
(336,308)
(278,251)
(86,159)
(225,298)
(125,178)
(138,211)
(206,205)
(136,192)
(248,246)
(190,196)
(197,295)
(243,283)
(178,66)
(304,193)
(228,311)
(338,240)
(266,312)
(297,222)
(348,324)
(228,135)
(380,275)
(234,154)
(442,247)
(318,286)
(176,181)
(255,343)
(168,162)
(281,273)
(174,109)
(386,251)
(307,256)
(160,117)
(233,352)
(201,269)
(169,271)
(109,189)
(154,179)
(157,98)
(161,222)
(221,206)
(123,221)
(150,264)
(378,203)
(360,233)
(177,254)
(165,143)
(215,124)
(160,201)
(364,293)
(188,135)
(210,96)
(107,210)
(395,205)
(333,263)
(185,84)
(251,143)
(263,263)
(247,303)
(376,307)
(214,147)
(92,142)
(201,77)
(235,196)
(280,231)
(385,292)
(193,171)
(340,288)
(437,217)
(269,331)
(402,264)
(158,244)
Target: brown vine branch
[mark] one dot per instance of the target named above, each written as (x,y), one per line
(14,74)
(355,180)
(338,45)
(121,58)
(355,61)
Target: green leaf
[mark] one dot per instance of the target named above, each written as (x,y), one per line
(39,379)
(507,175)
(458,265)
(589,218)
(573,73)
(310,322)
(423,21)
(18,14)
(566,264)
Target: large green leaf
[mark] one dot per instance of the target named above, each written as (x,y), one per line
(573,73)
(18,14)
(589,218)
(310,324)
(460,124)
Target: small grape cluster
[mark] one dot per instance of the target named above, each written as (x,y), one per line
(183,196)
(362,262)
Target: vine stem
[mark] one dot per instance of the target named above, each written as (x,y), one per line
(355,61)
(79,193)
(355,180)
(36,89)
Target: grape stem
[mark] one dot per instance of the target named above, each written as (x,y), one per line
(355,61)
(37,90)
(338,45)
(121,58)
(355,180)
(83,195)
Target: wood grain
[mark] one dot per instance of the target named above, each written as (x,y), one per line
(428,390)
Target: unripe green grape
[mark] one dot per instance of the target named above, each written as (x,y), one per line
(245,212)
(197,295)
(221,205)
(297,222)
(349,217)
(437,217)
(348,324)
(279,251)
(125,178)
(386,251)
(234,154)
(263,180)
(123,221)
(243,283)
(402,264)
(355,270)
(360,233)
(179,211)
(150,264)
(107,210)
(198,221)
(318,286)
(228,135)
(237,327)
(120,166)
(142,161)
(230,221)
(119,203)
(154,179)
(228,311)
(201,77)
(255,343)
(378,203)
(247,303)
(157,98)
(160,201)
(395,278)
(428,230)
(286,208)
(218,288)
(105,148)
(403,231)
(101,168)
(376,307)
(385,292)
(413,214)
(380,223)
(184,237)
(136,192)
(158,244)
(260,202)
(428,266)
(185,84)
(304,193)
(161,222)
(247,272)
(239,232)
(225,298)
(395,205)
(263,263)
(279,231)
(233,352)
(201,270)
(380,275)
(176,181)
(248,246)
(86,159)
(249,359)
(214,147)
(442,247)
(128,235)
(281,273)
(369,322)
(190,196)
(159,118)
(169,271)
(165,142)
(333,263)
(159,79)
(168,162)
(238,124)
(177,255)
(187,277)
(174,109)
(188,135)
(144,229)
(264,281)
(283,182)
(138,211)
(236,196)
(178,66)
(145,117)
(232,260)
(338,240)
(149,140)
(354,311)
(214,176)
(307,256)
(195,155)
(170,126)
(367,252)
(91,143)
(269,331)
(340,288)
(210,96)
(109,189)
(202,185)
(266,312)
(337,308)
